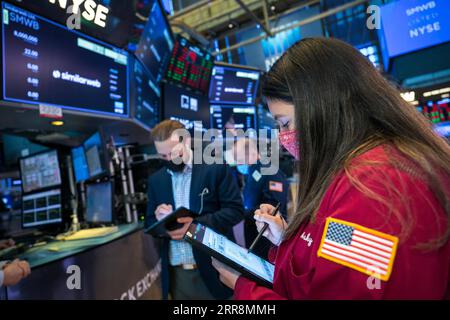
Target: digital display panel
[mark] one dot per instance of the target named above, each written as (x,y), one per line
(95,155)
(186,106)
(190,65)
(156,43)
(46,63)
(233,85)
(411,25)
(41,208)
(146,97)
(99,202)
(79,163)
(233,117)
(40,171)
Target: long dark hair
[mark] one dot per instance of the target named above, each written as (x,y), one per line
(343,108)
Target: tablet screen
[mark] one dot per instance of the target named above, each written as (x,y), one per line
(234,252)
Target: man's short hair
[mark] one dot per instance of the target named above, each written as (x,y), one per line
(163,130)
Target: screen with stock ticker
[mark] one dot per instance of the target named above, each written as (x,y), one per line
(46,63)
(190,65)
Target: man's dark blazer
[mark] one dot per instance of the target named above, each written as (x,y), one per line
(222,209)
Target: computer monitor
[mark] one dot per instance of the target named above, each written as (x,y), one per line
(226,117)
(94,149)
(186,106)
(156,44)
(232,84)
(48,63)
(99,203)
(40,171)
(42,208)
(79,163)
(146,96)
(190,65)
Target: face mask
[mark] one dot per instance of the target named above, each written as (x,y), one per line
(288,139)
(243,168)
(173,166)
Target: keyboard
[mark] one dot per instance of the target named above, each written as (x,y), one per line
(90,233)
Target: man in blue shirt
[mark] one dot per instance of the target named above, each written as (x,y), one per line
(208,190)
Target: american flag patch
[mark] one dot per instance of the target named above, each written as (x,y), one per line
(363,249)
(275,186)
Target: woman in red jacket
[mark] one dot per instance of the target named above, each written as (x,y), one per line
(372,219)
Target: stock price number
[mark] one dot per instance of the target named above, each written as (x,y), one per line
(33,67)
(30,53)
(26,37)
(33,81)
(33,95)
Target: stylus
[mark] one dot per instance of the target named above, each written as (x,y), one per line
(264,228)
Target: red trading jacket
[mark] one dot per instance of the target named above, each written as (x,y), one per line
(306,270)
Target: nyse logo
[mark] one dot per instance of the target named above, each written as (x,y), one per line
(89,9)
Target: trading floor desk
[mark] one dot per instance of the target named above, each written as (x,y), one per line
(123,265)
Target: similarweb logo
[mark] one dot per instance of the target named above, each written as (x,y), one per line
(76,78)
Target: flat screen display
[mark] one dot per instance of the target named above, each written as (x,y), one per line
(233,85)
(156,43)
(40,171)
(226,117)
(190,66)
(411,25)
(99,202)
(41,208)
(46,63)
(95,155)
(186,106)
(79,163)
(146,96)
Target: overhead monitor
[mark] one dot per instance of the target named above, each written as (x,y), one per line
(232,118)
(46,63)
(190,65)
(233,85)
(156,44)
(411,25)
(187,107)
(146,96)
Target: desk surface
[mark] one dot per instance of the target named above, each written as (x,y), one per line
(56,250)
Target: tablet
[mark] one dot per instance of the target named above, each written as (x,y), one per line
(169,223)
(249,264)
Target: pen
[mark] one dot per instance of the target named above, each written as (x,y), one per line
(264,228)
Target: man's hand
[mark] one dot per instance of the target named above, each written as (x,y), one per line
(14,272)
(163,210)
(6,243)
(228,276)
(178,234)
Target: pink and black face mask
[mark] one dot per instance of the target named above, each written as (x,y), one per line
(288,139)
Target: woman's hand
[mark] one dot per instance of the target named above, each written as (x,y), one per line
(228,276)
(276,223)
